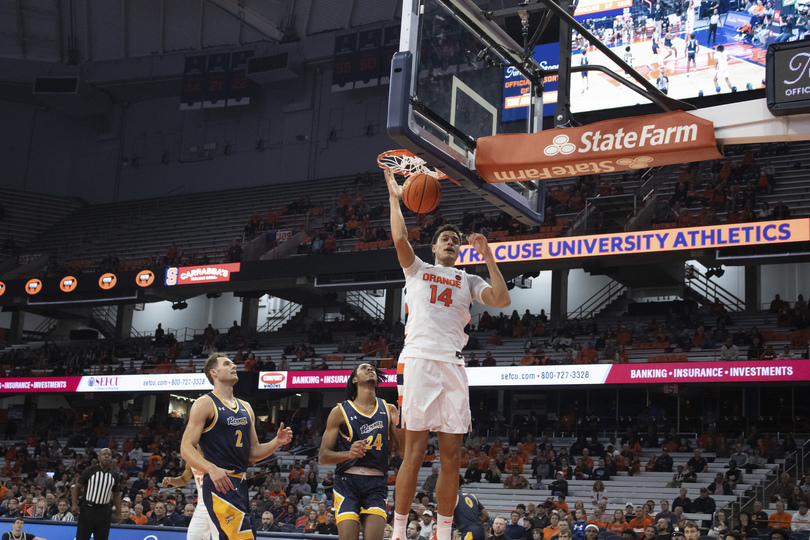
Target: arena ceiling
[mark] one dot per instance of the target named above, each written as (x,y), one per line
(77,31)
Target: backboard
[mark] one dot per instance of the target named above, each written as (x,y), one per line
(447,91)
(461,75)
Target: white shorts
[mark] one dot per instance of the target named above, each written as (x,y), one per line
(200,526)
(433,396)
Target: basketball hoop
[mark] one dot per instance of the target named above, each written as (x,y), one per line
(405,163)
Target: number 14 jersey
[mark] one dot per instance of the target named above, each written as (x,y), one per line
(437,306)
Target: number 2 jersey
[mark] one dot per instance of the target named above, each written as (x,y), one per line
(373,429)
(225,440)
(437,304)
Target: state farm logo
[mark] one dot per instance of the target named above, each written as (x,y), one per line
(560,145)
(641,162)
(273,378)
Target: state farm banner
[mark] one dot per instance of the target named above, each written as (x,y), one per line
(210,273)
(644,242)
(621,144)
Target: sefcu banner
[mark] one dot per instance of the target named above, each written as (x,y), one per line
(107,383)
(622,144)
(589,374)
(688,372)
(635,243)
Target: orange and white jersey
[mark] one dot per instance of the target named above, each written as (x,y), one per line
(198,479)
(437,304)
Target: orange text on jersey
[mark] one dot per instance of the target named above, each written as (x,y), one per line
(441,280)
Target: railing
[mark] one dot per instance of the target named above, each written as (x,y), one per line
(709,289)
(286,313)
(646,194)
(105,317)
(366,302)
(598,301)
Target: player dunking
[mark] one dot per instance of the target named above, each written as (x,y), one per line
(224,429)
(200,527)
(432,380)
(357,439)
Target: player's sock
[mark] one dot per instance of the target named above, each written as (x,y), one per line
(444,527)
(400,522)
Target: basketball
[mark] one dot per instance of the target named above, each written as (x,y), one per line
(421,193)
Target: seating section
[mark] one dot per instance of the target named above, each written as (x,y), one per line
(25,215)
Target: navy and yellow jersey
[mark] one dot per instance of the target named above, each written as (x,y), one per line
(467,516)
(225,440)
(372,429)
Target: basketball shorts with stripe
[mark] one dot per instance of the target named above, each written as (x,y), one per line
(357,494)
(229,511)
(433,395)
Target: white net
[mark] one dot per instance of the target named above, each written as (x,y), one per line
(408,165)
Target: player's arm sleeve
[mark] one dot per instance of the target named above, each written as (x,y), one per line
(477,286)
(418,264)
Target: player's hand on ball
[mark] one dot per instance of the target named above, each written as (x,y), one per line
(358,449)
(284,435)
(167,482)
(478,242)
(394,189)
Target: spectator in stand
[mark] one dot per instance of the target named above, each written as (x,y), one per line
(704,504)
(780,518)
(669,517)
(777,305)
(720,486)
(801,519)
(784,489)
(756,350)
(759,518)
(663,463)
(698,462)
(780,211)
(729,350)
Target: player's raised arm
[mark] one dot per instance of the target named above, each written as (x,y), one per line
(327,454)
(200,412)
(498,294)
(399,232)
(260,451)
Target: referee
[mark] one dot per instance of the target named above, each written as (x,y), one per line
(100,487)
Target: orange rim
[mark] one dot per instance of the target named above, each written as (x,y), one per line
(394,160)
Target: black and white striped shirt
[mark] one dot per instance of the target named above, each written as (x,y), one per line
(99,485)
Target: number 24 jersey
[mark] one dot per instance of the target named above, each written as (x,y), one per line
(437,304)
